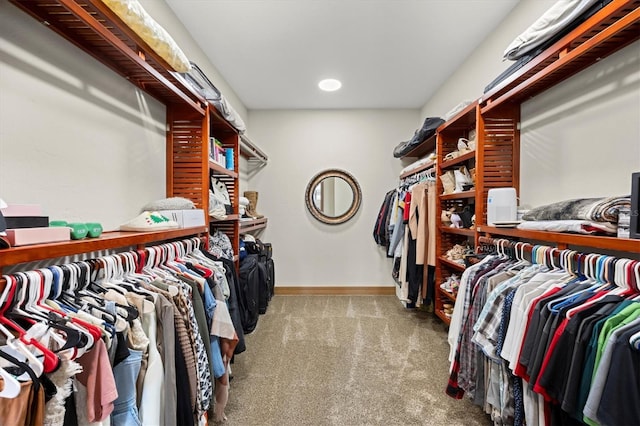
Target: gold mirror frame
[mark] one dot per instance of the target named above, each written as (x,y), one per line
(351,211)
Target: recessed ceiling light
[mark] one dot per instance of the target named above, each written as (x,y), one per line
(330,85)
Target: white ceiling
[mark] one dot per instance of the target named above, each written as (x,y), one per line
(387,53)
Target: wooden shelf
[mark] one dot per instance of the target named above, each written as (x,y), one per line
(459,195)
(459,231)
(440,314)
(253,224)
(218,169)
(464,119)
(108,240)
(565,239)
(461,159)
(249,150)
(446,294)
(230,218)
(426,147)
(95,29)
(452,264)
(218,124)
(612,28)
(419,169)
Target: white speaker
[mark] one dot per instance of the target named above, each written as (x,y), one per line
(502,206)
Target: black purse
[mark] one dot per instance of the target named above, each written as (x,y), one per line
(467,215)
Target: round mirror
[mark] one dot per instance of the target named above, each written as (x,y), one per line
(333,196)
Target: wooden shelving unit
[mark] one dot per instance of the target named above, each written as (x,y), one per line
(459,195)
(94,28)
(229,218)
(451,264)
(252,225)
(495,119)
(564,240)
(612,28)
(458,160)
(220,170)
(462,125)
(440,314)
(450,296)
(108,240)
(419,169)
(191,120)
(458,231)
(426,147)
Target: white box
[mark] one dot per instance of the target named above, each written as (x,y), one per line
(27,236)
(502,205)
(186,218)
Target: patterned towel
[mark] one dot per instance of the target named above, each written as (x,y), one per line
(592,209)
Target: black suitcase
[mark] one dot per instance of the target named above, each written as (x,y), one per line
(250,281)
(271,277)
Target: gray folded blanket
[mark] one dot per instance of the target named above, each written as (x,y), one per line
(593,209)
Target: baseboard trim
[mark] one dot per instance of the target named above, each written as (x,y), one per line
(336,291)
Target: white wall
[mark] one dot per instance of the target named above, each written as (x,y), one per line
(580,138)
(302,143)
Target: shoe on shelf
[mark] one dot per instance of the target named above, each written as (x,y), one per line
(451,284)
(149,221)
(456,253)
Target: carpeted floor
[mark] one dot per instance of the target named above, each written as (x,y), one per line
(345,360)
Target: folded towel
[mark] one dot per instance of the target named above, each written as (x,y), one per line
(591,209)
(577,226)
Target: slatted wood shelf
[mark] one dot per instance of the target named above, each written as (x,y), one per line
(446,294)
(108,240)
(94,28)
(462,120)
(565,239)
(458,231)
(612,28)
(425,147)
(230,218)
(440,314)
(221,170)
(452,264)
(461,159)
(459,195)
(419,169)
(253,224)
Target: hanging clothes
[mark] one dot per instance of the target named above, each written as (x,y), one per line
(534,343)
(136,335)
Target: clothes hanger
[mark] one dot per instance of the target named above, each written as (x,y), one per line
(17,348)
(11,387)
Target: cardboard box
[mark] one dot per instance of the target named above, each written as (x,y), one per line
(22,210)
(15,222)
(27,236)
(186,218)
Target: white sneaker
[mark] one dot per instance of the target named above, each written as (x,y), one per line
(149,221)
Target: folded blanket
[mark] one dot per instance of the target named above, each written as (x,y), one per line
(419,163)
(554,20)
(591,209)
(577,226)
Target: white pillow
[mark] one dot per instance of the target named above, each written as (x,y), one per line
(133,14)
(173,203)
